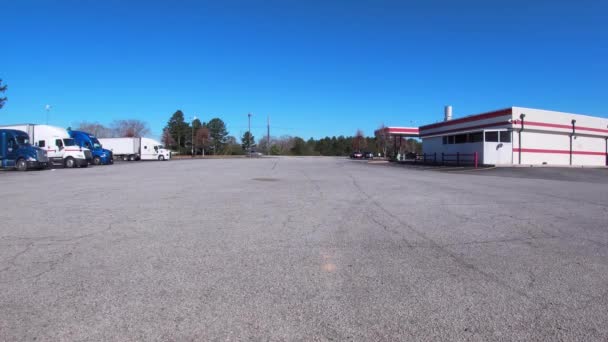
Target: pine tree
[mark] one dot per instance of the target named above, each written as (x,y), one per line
(247,141)
(179,129)
(218,134)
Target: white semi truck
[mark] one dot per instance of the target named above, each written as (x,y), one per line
(60,148)
(136,148)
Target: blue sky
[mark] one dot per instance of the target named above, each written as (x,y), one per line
(316,67)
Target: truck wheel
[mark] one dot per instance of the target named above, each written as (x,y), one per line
(21,165)
(70,163)
(161,157)
(96,161)
(131,157)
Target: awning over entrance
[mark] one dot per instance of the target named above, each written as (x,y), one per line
(395,136)
(398,131)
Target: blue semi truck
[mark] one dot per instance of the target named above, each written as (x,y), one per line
(17,152)
(101,156)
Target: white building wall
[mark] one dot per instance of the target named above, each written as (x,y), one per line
(546,138)
(463,124)
(434,145)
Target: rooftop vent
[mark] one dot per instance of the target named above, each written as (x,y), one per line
(448,113)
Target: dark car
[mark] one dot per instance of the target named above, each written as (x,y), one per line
(368,155)
(411,155)
(356,155)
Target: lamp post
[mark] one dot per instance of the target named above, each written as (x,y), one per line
(249,134)
(192,141)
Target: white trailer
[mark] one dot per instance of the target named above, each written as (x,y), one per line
(136,148)
(60,148)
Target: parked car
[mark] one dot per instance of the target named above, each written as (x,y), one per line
(368,155)
(17,152)
(254,154)
(411,155)
(356,155)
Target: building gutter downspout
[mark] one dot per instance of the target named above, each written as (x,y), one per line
(521,117)
(571,137)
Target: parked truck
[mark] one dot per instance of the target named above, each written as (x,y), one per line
(101,156)
(17,152)
(60,148)
(136,148)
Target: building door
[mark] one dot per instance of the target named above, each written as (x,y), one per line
(497,148)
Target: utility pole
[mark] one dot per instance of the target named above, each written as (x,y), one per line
(192,141)
(268,137)
(249,134)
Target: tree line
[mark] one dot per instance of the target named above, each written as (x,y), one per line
(212,137)
(131,128)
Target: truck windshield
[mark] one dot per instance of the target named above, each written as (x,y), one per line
(23,140)
(159,146)
(96,143)
(69,142)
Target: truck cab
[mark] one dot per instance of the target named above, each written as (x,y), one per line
(17,152)
(153,150)
(101,156)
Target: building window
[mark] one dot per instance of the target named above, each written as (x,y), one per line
(460,138)
(505,136)
(476,137)
(492,136)
(444,139)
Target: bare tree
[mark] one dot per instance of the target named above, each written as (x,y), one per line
(130,128)
(382,139)
(167,139)
(202,138)
(94,128)
(359,142)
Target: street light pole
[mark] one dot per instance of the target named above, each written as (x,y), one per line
(249,134)
(192,141)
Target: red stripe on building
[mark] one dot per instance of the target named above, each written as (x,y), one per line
(488,125)
(538,150)
(391,130)
(577,128)
(477,117)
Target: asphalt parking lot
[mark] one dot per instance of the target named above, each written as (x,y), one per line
(570,174)
(301,249)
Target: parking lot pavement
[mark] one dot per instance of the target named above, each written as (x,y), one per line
(571,174)
(300,249)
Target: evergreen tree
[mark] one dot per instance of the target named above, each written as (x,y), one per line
(179,129)
(247,141)
(218,134)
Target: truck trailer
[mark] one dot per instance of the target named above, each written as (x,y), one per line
(136,148)
(101,156)
(60,148)
(17,152)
